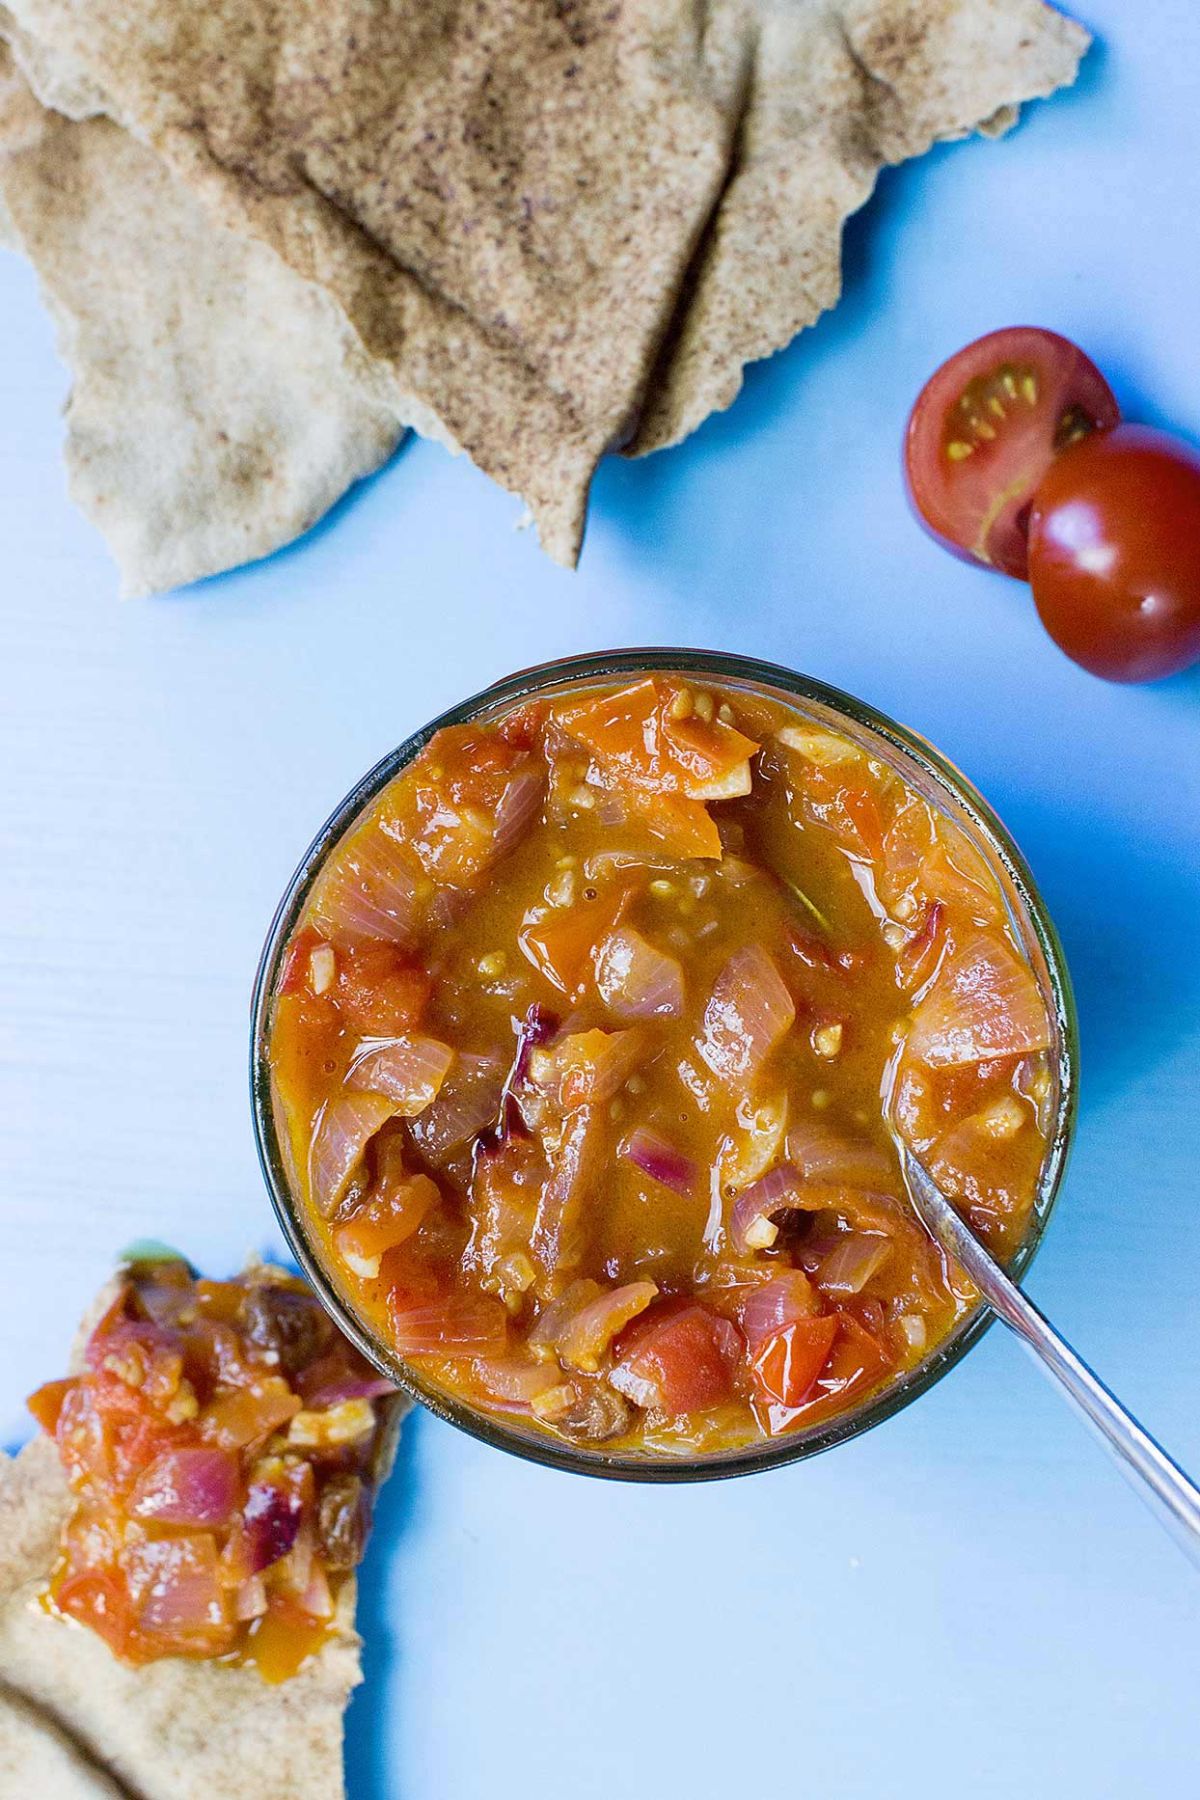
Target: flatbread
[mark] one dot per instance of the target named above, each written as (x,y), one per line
(220,404)
(38,1761)
(174,1729)
(503,199)
(545,231)
(839,88)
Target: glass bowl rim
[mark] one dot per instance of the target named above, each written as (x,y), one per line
(716,665)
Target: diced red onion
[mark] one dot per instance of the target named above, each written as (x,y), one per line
(515,1382)
(409,1070)
(271,1522)
(451,1325)
(347,1123)
(587,1337)
(367,891)
(985,1004)
(175,1586)
(786,1298)
(655,1157)
(196,1487)
(251,1600)
(748,1012)
(751,1224)
(824,1156)
(847,1268)
(635,979)
(519,805)
(469,1100)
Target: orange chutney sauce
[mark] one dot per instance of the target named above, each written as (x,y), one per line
(591,1049)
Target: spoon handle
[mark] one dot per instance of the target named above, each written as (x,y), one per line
(1153,1475)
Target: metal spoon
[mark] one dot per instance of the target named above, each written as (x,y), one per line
(1159,1481)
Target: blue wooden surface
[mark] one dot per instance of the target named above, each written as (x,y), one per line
(966,1600)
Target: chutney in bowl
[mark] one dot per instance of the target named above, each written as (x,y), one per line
(585,1039)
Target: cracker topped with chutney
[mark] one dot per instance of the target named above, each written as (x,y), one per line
(177,1578)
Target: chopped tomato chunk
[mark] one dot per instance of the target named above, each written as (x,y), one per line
(650,735)
(378,993)
(787,1363)
(857,1362)
(46,1403)
(680,1360)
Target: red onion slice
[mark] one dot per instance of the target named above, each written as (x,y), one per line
(786,1298)
(451,1325)
(367,890)
(468,1102)
(847,1268)
(826,1157)
(576,1165)
(514,1382)
(661,1161)
(985,1004)
(408,1070)
(592,1066)
(346,1125)
(752,1222)
(749,1011)
(194,1487)
(585,1341)
(635,980)
(334,1379)
(518,807)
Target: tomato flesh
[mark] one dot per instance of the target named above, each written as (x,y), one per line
(685,1354)
(788,1363)
(984,431)
(1112,554)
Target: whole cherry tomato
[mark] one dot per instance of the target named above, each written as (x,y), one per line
(1114,553)
(985,429)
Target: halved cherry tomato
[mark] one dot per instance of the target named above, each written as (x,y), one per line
(985,429)
(1114,554)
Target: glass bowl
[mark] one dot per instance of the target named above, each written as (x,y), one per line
(924,769)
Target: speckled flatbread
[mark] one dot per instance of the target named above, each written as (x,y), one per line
(838,89)
(547,231)
(220,404)
(174,1729)
(38,1761)
(503,199)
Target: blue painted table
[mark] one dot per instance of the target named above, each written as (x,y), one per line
(966,1600)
